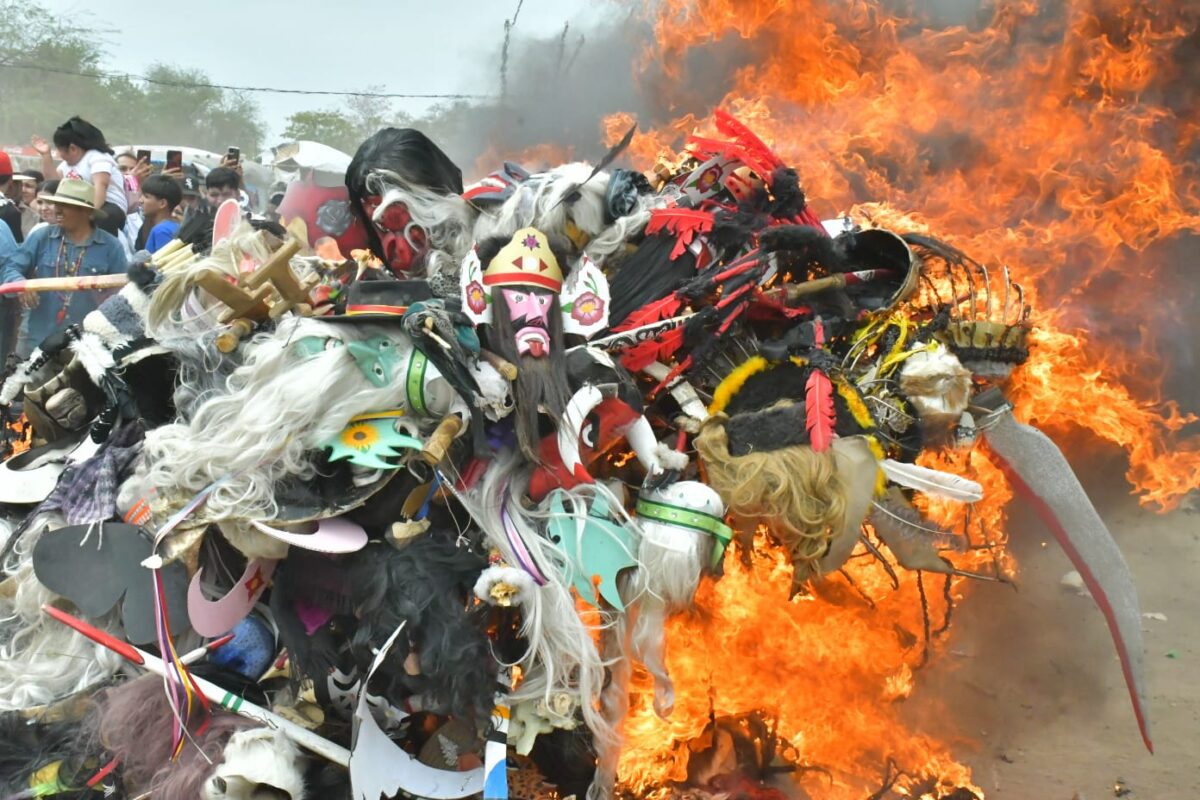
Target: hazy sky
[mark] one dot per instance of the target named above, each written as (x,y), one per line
(430,46)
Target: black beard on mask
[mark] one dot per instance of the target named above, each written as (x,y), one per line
(541,385)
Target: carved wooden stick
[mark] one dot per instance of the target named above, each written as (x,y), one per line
(506,369)
(228,340)
(439,442)
(80,283)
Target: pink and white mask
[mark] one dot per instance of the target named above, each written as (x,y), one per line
(529,310)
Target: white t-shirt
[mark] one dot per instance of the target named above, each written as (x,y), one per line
(94,161)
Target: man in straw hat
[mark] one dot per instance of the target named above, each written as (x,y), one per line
(73,247)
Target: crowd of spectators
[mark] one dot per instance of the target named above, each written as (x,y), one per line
(87,212)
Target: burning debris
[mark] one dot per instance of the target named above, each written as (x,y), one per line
(594,481)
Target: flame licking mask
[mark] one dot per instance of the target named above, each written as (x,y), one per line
(404,241)
(529,310)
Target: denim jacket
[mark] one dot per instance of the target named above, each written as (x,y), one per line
(39,257)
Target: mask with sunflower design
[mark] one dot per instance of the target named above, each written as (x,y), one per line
(373,441)
(378,358)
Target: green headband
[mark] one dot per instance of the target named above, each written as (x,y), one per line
(689,518)
(415,383)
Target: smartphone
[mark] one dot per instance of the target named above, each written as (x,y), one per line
(174,159)
(234,154)
(143,155)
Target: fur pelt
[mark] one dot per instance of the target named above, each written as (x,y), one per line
(427,586)
(937,385)
(254,760)
(313,608)
(27,746)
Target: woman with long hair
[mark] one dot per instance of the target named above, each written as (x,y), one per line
(86,155)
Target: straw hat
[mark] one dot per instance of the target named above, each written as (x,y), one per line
(73,192)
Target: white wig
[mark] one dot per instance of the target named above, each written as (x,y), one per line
(539,202)
(43,661)
(447,220)
(279,405)
(561,650)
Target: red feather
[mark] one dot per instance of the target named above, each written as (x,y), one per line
(646,353)
(685,223)
(818,410)
(653,311)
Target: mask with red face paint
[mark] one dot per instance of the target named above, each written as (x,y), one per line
(404,242)
(529,310)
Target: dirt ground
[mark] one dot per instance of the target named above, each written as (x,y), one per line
(1034,685)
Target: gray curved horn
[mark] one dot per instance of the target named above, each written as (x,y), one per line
(1039,472)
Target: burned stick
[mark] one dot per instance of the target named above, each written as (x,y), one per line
(924,618)
(949,598)
(791,292)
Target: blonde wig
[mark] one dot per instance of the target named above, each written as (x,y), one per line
(171,315)
(183,318)
(798,493)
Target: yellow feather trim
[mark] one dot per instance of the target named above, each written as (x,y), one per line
(880,478)
(858,409)
(734,382)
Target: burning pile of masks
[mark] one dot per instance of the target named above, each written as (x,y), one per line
(304,525)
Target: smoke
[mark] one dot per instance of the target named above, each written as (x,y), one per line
(558,89)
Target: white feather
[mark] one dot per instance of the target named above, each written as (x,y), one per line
(932,481)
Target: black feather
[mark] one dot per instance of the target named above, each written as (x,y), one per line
(648,275)
(787,198)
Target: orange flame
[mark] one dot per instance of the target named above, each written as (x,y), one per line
(827,668)
(1057,144)
(1039,141)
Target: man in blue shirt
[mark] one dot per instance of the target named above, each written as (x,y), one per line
(8,245)
(73,247)
(10,310)
(160,196)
